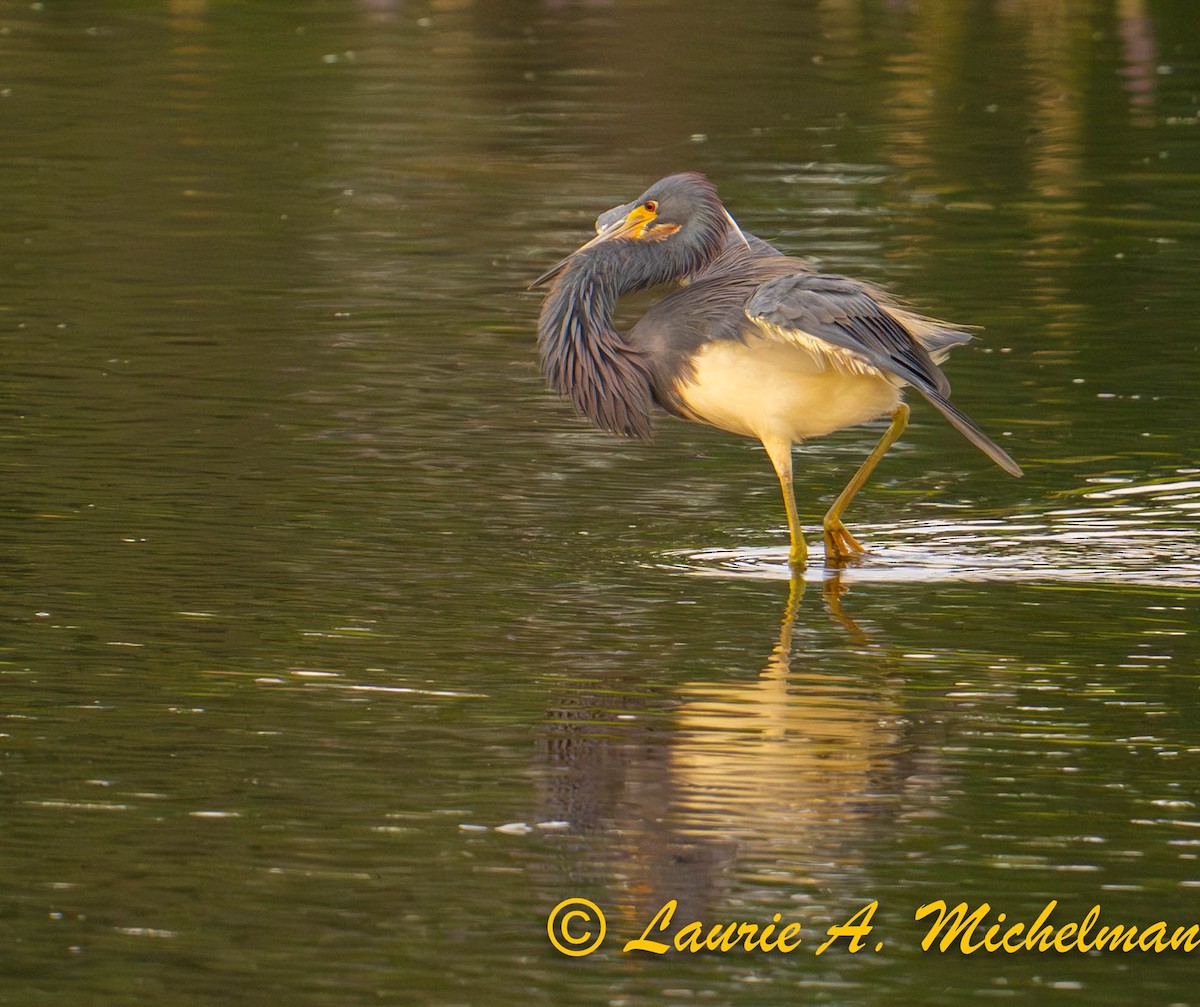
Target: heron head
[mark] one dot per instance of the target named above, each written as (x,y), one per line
(670,231)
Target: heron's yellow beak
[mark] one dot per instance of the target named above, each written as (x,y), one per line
(632,226)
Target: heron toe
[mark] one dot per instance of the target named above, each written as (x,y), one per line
(840,545)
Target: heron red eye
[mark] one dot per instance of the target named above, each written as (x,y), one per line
(650,205)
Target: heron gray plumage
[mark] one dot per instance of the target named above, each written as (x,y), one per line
(752,341)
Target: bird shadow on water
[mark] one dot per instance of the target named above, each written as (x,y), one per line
(1147,534)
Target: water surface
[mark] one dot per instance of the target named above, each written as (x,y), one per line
(337,652)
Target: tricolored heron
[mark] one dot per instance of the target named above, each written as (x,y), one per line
(753,342)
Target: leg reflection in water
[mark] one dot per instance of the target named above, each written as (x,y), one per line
(790,778)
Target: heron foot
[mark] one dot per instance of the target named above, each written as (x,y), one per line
(798,555)
(840,545)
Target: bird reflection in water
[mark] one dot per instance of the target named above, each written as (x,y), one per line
(787,779)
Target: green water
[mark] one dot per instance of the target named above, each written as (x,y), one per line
(337,652)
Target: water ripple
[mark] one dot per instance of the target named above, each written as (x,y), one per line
(1149,536)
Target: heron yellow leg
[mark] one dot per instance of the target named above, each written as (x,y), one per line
(839,543)
(780,453)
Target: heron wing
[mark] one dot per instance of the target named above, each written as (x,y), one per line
(839,320)
(845,326)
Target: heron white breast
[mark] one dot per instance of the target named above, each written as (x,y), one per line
(771,389)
